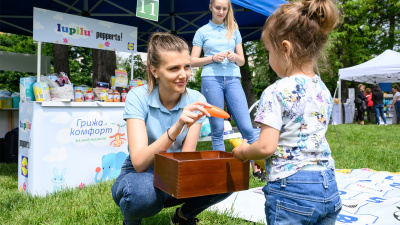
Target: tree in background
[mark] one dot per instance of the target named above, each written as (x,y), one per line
(139,69)
(19,44)
(367,29)
(80,63)
(79,60)
(196,84)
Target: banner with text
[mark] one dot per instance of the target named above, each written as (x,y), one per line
(61,28)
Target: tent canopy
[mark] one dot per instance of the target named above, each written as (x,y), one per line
(11,61)
(385,68)
(181,17)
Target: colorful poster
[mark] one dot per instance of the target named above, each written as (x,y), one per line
(68,146)
(61,28)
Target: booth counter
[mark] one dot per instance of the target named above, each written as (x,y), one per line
(69,144)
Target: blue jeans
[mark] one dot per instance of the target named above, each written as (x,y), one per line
(218,88)
(397,108)
(379,109)
(306,197)
(135,194)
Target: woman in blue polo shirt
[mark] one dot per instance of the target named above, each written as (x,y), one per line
(155,115)
(220,76)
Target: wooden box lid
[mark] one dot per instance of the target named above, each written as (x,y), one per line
(192,174)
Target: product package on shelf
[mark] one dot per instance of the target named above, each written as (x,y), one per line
(120,79)
(97,93)
(41,91)
(83,88)
(26,88)
(5,102)
(136,83)
(66,91)
(15,100)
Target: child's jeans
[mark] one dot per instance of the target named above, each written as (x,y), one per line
(306,197)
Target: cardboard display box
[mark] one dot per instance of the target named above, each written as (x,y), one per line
(192,174)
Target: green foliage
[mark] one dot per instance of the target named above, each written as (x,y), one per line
(367,28)
(80,63)
(196,84)
(139,69)
(19,44)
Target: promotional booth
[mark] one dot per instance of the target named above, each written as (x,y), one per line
(72,144)
(384,68)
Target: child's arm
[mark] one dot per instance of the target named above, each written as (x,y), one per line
(263,148)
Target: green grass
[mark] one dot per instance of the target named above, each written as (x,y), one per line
(368,146)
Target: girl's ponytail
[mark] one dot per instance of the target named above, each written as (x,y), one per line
(324,12)
(305,24)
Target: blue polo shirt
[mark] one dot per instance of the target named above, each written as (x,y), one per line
(141,105)
(212,39)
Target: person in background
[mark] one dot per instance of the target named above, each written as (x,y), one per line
(294,114)
(360,107)
(377,98)
(155,115)
(396,102)
(370,104)
(221,42)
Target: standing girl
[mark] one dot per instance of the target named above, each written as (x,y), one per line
(221,42)
(294,114)
(370,104)
(155,115)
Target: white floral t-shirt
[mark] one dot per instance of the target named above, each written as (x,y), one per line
(299,107)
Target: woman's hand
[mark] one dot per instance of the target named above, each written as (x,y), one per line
(231,56)
(238,151)
(189,117)
(219,57)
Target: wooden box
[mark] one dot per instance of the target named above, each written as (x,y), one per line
(191,174)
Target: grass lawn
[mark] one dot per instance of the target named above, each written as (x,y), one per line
(368,146)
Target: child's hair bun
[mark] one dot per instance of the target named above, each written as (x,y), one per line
(324,12)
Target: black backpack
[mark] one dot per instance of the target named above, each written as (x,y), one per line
(358,101)
(9,149)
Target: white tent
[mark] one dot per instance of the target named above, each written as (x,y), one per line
(385,68)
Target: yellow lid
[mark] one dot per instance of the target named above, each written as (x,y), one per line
(104,90)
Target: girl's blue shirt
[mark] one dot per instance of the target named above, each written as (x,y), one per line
(147,107)
(212,39)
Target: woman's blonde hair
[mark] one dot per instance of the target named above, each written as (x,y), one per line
(230,22)
(361,86)
(159,43)
(306,25)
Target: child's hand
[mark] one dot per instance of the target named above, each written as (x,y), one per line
(238,151)
(219,57)
(231,56)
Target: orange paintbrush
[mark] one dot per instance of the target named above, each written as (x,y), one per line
(213,111)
